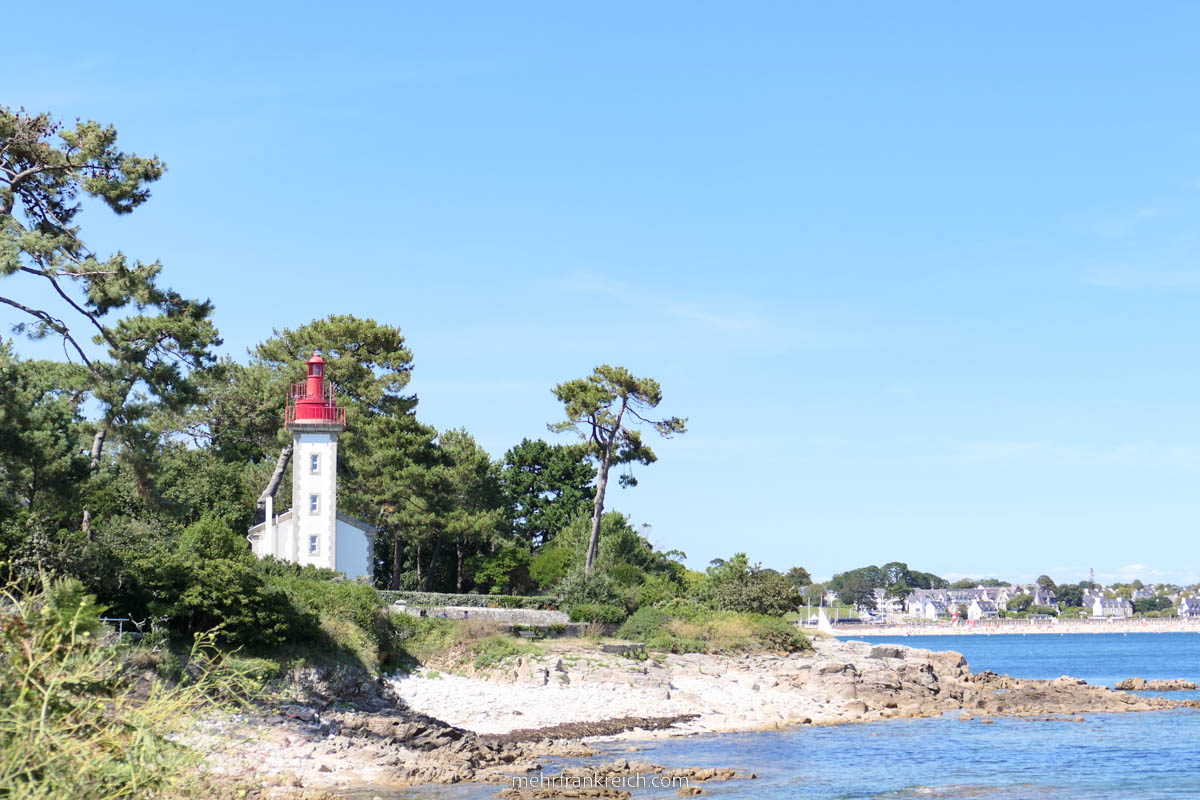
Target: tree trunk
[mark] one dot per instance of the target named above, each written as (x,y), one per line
(420,585)
(437,548)
(458,569)
(260,508)
(94,465)
(597,510)
(396,561)
(601,486)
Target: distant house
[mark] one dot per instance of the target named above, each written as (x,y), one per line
(1142,594)
(1045,597)
(1190,607)
(1090,598)
(891,606)
(935,610)
(982,609)
(1112,608)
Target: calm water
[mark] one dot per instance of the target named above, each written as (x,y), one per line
(1125,756)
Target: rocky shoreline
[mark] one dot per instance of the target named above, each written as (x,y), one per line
(337,732)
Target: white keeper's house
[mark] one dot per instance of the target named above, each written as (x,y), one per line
(312,531)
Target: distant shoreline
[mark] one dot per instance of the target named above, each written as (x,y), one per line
(1022,627)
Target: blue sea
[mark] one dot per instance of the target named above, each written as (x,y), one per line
(1108,756)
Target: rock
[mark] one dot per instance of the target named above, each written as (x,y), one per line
(886,651)
(1141,684)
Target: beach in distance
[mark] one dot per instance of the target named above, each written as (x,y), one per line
(1022,627)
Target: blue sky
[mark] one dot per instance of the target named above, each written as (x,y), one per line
(922,277)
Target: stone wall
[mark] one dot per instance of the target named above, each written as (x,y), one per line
(505,616)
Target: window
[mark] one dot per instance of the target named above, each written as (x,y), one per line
(312,544)
(314,503)
(314,463)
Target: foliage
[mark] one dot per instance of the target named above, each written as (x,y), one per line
(196,595)
(736,585)
(598,612)
(162,338)
(1069,594)
(580,587)
(504,571)
(550,566)
(1021,602)
(692,629)
(1148,605)
(75,721)
(895,578)
(545,487)
(210,538)
(497,647)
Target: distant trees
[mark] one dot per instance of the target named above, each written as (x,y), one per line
(895,578)
(1021,602)
(1069,595)
(544,487)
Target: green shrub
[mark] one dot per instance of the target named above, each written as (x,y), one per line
(626,575)
(497,647)
(347,620)
(76,721)
(199,595)
(210,538)
(597,612)
(579,587)
(505,571)
(687,629)
(755,591)
(551,565)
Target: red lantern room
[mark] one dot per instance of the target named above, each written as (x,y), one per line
(311,402)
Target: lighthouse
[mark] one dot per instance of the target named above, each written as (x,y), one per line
(312,531)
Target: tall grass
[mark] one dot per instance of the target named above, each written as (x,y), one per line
(78,721)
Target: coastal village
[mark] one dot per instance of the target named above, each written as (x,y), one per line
(1025,601)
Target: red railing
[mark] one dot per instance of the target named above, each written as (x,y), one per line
(303,407)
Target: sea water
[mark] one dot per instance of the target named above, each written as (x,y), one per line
(1141,756)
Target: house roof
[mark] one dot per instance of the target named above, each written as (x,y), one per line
(286,516)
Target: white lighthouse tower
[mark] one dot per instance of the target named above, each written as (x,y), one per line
(312,532)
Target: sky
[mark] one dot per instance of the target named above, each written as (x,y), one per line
(922,277)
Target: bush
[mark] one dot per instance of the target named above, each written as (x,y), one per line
(497,647)
(695,630)
(212,539)
(74,719)
(345,619)
(644,623)
(597,612)
(550,566)
(199,595)
(579,587)
(756,591)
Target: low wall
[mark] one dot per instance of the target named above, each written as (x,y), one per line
(506,616)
